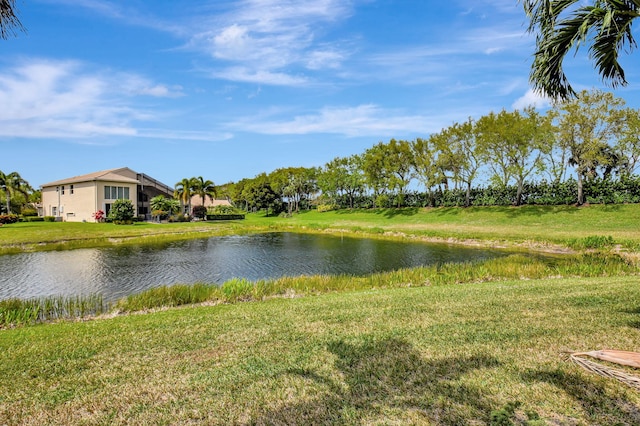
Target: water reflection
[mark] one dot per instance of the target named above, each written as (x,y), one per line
(117,272)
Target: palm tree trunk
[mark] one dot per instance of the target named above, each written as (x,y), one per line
(467,200)
(8,197)
(580,189)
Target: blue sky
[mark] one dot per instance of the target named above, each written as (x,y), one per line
(229,89)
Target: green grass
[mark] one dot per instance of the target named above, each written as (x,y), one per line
(446,355)
(447,345)
(544,224)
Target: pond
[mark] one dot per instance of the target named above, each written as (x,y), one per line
(118,272)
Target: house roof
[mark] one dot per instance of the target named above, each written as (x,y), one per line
(110,175)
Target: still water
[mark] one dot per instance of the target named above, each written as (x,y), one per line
(118,272)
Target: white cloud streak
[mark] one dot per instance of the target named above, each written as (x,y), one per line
(361,120)
(64,99)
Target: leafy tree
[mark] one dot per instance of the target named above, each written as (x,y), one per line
(562,25)
(236,195)
(343,176)
(400,167)
(9,21)
(459,154)
(512,144)
(294,184)
(586,125)
(184,190)
(163,206)
(425,165)
(629,140)
(122,211)
(259,194)
(203,188)
(388,167)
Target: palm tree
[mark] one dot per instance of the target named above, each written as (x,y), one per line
(11,183)
(204,188)
(184,191)
(561,25)
(9,21)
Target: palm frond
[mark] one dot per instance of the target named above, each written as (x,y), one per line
(560,27)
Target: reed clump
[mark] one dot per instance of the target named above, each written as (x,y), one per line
(16,312)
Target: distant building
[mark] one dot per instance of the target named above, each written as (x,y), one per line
(196,200)
(76,199)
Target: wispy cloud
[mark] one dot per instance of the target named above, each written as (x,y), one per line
(127,13)
(263,41)
(361,120)
(66,99)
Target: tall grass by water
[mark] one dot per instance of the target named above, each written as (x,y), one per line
(14,312)
(518,266)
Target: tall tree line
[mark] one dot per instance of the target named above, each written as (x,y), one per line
(591,136)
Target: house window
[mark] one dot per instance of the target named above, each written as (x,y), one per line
(54,211)
(62,190)
(116,192)
(70,189)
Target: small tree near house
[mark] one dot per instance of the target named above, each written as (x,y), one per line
(122,212)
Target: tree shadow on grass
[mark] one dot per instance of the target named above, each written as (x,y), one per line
(512,212)
(388,377)
(393,212)
(634,323)
(599,406)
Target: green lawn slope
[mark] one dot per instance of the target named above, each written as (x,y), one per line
(445,355)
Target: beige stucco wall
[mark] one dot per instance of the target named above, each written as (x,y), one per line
(87,198)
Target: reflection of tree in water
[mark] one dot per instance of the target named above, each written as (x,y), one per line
(385,378)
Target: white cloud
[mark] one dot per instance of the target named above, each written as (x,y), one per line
(531,98)
(65,99)
(266,39)
(362,120)
(320,59)
(259,76)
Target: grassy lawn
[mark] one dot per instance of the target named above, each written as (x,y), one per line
(446,355)
(352,351)
(554,224)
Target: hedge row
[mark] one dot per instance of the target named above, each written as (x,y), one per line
(225,216)
(596,191)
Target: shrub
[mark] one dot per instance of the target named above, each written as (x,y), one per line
(49,218)
(593,242)
(34,219)
(99,216)
(29,212)
(327,207)
(6,219)
(179,218)
(121,211)
(225,216)
(199,211)
(220,210)
(382,201)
